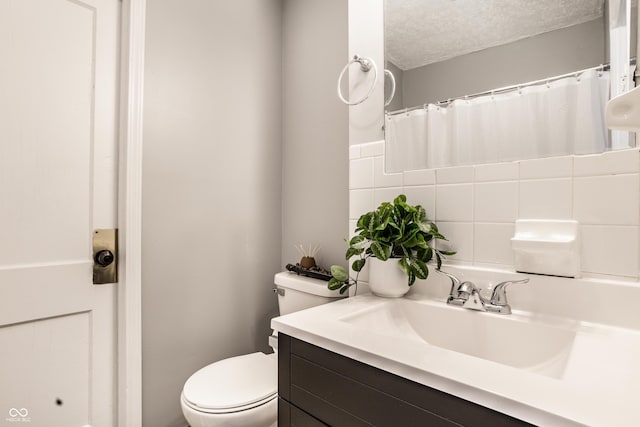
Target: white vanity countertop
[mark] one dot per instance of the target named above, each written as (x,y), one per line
(599,386)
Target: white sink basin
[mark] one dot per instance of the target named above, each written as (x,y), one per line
(543,348)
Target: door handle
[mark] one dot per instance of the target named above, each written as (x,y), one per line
(105,256)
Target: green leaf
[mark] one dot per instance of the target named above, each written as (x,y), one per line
(383,224)
(365,220)
(353,252)
(420,214)
(420,242)
(438,261)
(404,265)
(385,208)
(425,227)
(398,212)
(410,241)
(424,255)
(438,235)
(344,289)
(419,268)
(411,279)
(358,264)
(334,284)
(448,253)
(339,273)
(381,251)
(401,198)
(358,242)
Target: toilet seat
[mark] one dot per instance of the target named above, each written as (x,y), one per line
(233,385)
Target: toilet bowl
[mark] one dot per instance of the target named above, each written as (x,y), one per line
(239,391)
(242,391)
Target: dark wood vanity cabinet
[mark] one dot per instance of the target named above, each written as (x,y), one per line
(318,387)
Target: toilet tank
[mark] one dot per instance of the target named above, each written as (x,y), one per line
(296,292)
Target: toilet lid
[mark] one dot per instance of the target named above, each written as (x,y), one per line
(233,383)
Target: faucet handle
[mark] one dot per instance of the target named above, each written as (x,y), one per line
(454,280)
(455,284)
(499,294)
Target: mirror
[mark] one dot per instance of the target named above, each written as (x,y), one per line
(506,80)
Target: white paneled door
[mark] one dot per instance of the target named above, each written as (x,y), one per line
(59,62)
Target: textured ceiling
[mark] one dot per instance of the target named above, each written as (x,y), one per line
(420,32)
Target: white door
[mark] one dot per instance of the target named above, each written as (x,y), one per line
(59,62)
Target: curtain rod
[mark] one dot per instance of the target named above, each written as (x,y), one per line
(505,89)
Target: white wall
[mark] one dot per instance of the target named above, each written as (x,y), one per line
(315,130)
(211,189)
(366,39)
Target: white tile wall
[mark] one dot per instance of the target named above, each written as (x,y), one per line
(360,201)
(385,195)
(554,167)
(454,175)
(454,202)
(476,206)
(361,173)
(606,199)
(496,201)
(492,244)
(497,172)
(372,149)
(382,179)
(420,177)
(610,250)
(458,239)
(546,198)
(614,162)
(425,196)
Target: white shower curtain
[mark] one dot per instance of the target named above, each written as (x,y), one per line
(558,118)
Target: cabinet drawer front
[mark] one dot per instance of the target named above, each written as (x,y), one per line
(321,392)
(291,416)
(342,391)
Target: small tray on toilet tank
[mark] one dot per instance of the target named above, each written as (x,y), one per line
(315,272)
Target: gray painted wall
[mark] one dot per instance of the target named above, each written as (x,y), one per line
(315,130)
(554,53)
(211,189)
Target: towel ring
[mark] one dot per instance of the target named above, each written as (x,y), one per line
(393,86)
(366,64)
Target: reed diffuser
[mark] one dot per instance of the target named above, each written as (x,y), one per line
(308,255)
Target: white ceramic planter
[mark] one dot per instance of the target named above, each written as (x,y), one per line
(386,279)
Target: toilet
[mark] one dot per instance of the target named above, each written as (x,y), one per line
(242,391)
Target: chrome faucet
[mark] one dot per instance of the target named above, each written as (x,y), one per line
(467,295)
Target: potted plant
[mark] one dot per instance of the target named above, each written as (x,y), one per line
(394,231)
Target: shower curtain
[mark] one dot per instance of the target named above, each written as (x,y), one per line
(558,118)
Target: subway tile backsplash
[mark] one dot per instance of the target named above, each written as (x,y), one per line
(476,206)
(361,173)
(546,198)
(606,199)
(553,167)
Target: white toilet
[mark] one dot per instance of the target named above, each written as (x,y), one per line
(242,391)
